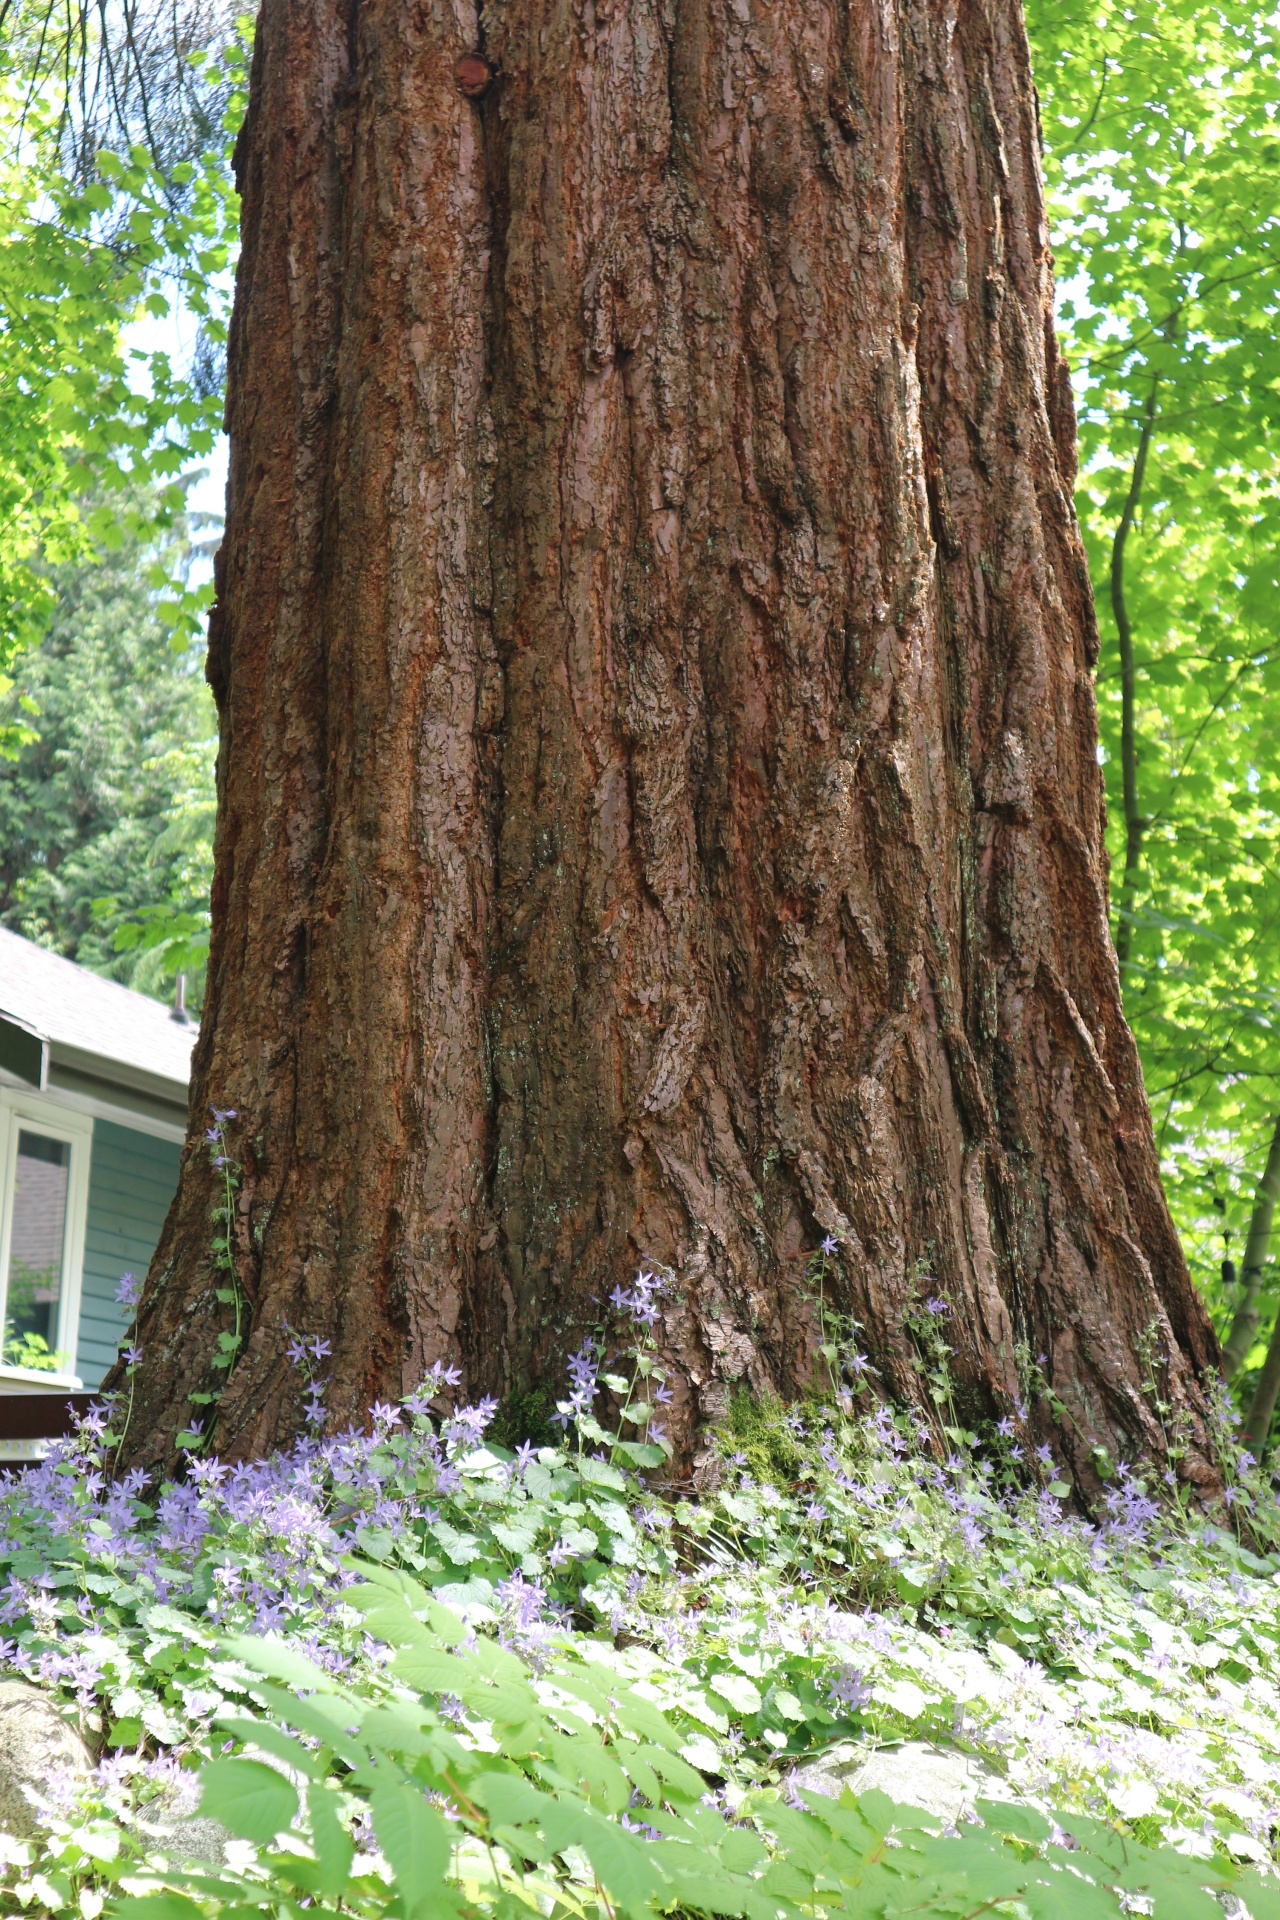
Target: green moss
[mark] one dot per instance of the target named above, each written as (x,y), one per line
(757,1428)
(525,1417)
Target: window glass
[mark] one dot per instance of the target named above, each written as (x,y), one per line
(36,1241)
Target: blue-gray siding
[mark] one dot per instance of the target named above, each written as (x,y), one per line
(132,1179)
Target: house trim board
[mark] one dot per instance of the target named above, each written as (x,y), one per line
(70,1101)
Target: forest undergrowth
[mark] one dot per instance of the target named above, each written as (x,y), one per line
(414,1672)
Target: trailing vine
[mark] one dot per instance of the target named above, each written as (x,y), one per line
(230,1294)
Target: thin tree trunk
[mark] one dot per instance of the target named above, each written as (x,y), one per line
(1257,1422)
(659,815)
(1134,823)
(1245,1322)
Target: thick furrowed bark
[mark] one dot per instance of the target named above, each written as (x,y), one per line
(357,681)
(697,841)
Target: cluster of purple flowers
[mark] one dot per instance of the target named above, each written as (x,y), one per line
(584,1376)
(284,1521)
(1131,1512)
(640,1306)
(436,1380)
(527,1620)
(468,1425)
(848,1691)
(640,1303)
(269,1538)
(887,1431)
(216,1135)
(869,1481)
(305,1354)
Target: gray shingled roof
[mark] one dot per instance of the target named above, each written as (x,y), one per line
(92,1024)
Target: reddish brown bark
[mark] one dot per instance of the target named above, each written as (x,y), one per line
(659,808)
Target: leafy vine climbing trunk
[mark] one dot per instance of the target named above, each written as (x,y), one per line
(659,815)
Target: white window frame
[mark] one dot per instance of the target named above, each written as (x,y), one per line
(41,1116)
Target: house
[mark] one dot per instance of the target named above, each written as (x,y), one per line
(93,1109)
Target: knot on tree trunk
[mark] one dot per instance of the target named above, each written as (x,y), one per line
(473,76)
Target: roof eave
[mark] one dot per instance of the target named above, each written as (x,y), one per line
(97,1066)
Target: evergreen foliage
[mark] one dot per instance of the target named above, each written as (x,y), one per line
(106,810)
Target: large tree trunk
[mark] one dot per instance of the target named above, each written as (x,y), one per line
(659,808)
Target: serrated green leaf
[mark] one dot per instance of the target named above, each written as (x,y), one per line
(641,1453)
(742,1694)
(281,1662)
(271,1739)
(250,1800)
(415,1840)
(154,1906)
(331,1841)
(599,1473)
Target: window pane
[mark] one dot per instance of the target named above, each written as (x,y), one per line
(35,1241)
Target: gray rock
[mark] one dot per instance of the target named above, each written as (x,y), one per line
(937,1780)
(39,1751)
(170,1824)
(187,1837)
(831,1772)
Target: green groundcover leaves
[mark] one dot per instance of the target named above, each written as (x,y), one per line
(469,1782)
(381,1665)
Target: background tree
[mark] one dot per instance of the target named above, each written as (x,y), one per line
(106,811)
(1161,137)
(659,815)
(1244,1321)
